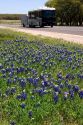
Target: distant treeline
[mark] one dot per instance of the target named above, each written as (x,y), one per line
(10,16)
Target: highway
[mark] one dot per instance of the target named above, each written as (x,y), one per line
(74,30)
(62,29)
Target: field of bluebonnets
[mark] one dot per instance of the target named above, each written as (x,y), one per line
(41,83)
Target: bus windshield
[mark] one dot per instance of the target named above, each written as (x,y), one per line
(48,13)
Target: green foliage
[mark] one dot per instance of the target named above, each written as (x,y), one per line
(69,12)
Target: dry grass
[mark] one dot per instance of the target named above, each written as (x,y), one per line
(10,22)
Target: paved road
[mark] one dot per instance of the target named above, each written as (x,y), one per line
(59,29)
(63,29)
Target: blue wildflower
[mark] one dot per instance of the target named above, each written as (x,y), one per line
(76,88)
(12,123)
(30,114)
(55,98)
(71,92)
(23,105)
(81,94)
(3,71)
(61,85)
(13,90)
(23,95)
(22,83)
(18,97)
(9,81)
(57,88)
(69,86)
(59,75)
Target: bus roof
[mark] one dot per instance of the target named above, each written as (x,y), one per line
(44,8)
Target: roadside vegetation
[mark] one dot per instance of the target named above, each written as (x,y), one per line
(10,22)
(10,19)
(10,16)
(41,80)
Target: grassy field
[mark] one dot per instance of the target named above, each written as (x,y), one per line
(41,80)
(12,22)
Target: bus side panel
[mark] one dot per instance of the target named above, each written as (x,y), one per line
(24,20)
(35,22)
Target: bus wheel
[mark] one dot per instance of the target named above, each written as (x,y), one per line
(23,25)
(51,25)
(30,26)
(33,26)
(41,26)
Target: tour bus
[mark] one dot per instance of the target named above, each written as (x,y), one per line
(39,18)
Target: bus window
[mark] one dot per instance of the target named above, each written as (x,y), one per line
(48,13)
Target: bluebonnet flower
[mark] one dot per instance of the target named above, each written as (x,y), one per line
(13,90)
(18,97)
(23,105)
(59,75)
(44,83)
(68,76)
(4,75)
(81,94)
(22,83)
(30,114)
(61,85)
(69,86)
(14,80)
(69,59)
(23,95)
(11,74)
(18,70)
(30,80)
(71,92)
(42,76)
(9,81)
(12,123)
(12,65)
(8,69)
(7,92)
(76,88)
(80,76)
(35,82)
(22,69)
(56,88)
(55,97)
(3,71)
(40,91)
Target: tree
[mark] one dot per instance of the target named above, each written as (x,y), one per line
(69,12)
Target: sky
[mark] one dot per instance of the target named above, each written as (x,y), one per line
(19,6)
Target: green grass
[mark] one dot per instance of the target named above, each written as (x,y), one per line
(4,123)
(68,113)
(9,34)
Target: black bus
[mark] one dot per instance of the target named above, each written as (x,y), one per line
(41,17)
